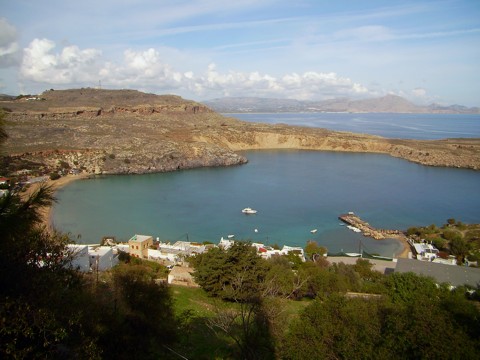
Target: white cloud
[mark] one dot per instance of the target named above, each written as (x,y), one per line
(142,70)
(70,66)
(307,86)
(9,48)
(147,70)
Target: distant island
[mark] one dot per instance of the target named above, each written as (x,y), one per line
(385,104)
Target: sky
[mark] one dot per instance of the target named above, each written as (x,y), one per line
(425,51)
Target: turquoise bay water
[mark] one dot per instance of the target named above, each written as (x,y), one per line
(293,191)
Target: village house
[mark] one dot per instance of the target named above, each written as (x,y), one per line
(102,258)
(267,252)
(139,245)
(425,251)
(177,252)
(79,257)
(85,258)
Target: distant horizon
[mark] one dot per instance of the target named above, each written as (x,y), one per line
(426,52)
(258,97)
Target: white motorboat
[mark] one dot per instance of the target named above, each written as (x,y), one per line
(313,231)
(353,228)
(230,236)
(249,211)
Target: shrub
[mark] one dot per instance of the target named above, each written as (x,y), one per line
(54,176)
(439,243)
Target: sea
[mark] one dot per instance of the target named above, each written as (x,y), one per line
(293,191)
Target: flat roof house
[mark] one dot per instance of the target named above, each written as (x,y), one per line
(138,245)
(79,257)
(102,258)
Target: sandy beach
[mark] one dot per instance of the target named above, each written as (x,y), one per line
(46,212)
(406,247)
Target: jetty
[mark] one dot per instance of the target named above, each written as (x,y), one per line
(367,230)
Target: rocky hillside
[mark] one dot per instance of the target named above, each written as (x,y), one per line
(124,131)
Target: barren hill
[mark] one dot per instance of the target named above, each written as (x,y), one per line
(125,131)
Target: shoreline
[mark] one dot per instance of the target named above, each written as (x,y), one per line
(47,212)
(55,185)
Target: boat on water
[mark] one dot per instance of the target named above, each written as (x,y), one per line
(230,236)
(249,211)
(353,228)
(313,231)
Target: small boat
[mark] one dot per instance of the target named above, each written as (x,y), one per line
(230,236)
(353,228)
(256,230)
(249,211)
(313,231)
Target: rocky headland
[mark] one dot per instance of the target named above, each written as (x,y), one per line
(126,131)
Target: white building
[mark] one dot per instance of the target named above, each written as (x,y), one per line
(225,243)
(102,258)
(79,257)
(87,258)
(425,251)
(176,252)
(267,252)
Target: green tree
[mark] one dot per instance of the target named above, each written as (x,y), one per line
(334,328)
(313,250)
(459,247)
(237,272)
(144,321)
(39,316)
(405,287)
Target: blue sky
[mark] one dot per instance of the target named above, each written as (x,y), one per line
(425,51)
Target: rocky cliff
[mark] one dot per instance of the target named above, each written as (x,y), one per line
(123,131)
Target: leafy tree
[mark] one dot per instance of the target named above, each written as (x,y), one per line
(144,320)
(334,328)
(405,287)
(236,273)
(280,280)
(319,281)
(39,316)
(459,247)
(451,234)
(313,250)
(439,243)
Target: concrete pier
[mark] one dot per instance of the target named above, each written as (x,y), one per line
(368,230)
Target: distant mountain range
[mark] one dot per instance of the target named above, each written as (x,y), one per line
(385,104)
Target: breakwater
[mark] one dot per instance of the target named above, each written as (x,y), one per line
(367,230)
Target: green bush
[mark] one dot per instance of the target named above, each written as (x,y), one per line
(54,176)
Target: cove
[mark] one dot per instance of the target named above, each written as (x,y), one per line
(293,191)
